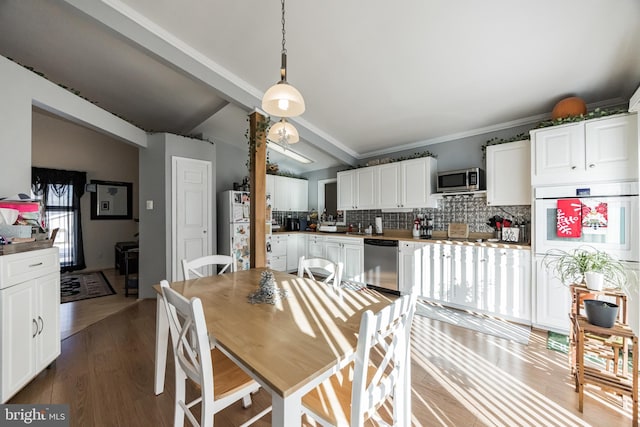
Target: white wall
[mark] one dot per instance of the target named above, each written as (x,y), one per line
(20,89)
(60,144)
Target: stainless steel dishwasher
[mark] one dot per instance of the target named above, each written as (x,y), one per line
(381,264)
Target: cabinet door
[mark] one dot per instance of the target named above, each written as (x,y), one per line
(389,186)
(514,285)
(333,252)
(315,247)
(509,174)
(19,331)
(558,154)
(410,267)
(47,289)
(353,259)
(438,272)
(295,249)
(417,183)
(462,285)
(553,300)
(612,148)
(300,192)
(346,190)
(366,188)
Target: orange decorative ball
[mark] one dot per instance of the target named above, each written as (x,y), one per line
(572,106)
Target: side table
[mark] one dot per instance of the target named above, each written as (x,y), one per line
(120,248)
(625,384)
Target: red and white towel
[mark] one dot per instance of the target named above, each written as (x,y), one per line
(569,218)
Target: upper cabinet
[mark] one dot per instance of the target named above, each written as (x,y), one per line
(405,184)
(594,150)
(288,194)
(508,174)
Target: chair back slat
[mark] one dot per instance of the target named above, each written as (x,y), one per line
(381,359)
(332,270)
(193,268)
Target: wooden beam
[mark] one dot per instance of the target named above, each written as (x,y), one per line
(258,183)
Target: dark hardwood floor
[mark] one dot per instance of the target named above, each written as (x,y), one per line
(459,378)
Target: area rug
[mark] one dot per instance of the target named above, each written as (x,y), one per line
(476,321)
(79,286)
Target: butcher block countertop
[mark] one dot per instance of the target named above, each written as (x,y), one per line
(438,237)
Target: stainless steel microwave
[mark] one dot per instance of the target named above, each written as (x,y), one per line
(471,179)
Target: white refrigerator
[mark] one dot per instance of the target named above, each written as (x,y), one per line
(234,211)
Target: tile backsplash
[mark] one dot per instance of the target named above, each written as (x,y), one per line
(471,210)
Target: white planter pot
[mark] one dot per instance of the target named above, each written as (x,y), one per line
(595,280)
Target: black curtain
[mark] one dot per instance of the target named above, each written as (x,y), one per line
(60,191)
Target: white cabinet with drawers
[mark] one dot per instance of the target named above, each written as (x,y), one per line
(30,316)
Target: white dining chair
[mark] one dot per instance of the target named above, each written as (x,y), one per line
(332,271)
(376,386)
(219,379)
(194,266)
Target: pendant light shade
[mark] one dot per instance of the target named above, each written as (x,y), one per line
(283,133)
(282,99)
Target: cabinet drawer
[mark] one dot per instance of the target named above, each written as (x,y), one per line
(23,266)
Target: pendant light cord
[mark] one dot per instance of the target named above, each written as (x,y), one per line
(284,49)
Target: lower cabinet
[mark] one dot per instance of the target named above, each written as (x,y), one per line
(552,302)
(315,246)
(349,251)
(278,257)
(410,267)
(30,316)
(295,249)
(487,279)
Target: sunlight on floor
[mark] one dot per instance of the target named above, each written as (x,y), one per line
(487,389)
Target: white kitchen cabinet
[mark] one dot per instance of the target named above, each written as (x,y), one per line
(410,266)
(552,300)
(419,177)
(488,279)
(503,282)
(356,189)
(315,246)
(406,184)
(509,174)
(295,249)
(288,194)
(594,150)
(278,259)
(30,316)
(349,251)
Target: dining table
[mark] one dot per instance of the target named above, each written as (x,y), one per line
(290,346)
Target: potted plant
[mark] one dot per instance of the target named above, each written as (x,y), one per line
(587,265)
(595,269)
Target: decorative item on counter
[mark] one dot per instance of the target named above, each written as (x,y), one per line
(415,231)
(511,234)
(267,292)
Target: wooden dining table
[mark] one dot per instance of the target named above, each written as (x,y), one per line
(288,347)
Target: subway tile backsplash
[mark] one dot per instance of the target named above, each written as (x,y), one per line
(471,210)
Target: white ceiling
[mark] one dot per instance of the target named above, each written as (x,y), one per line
(377,76)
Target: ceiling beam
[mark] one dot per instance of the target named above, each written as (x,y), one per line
(128,23)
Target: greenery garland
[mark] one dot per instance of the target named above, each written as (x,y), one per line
(598,112)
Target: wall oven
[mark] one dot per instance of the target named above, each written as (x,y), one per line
(604,216)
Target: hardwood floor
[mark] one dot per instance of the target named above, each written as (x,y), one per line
(459,378)
(75,316)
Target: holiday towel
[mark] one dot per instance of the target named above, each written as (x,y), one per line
(569,218)
(595,214)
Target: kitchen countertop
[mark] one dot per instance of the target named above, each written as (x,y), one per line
(405,235)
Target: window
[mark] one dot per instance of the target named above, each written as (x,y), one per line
(60,192)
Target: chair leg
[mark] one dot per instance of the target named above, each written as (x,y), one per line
(246,401)
(178,418)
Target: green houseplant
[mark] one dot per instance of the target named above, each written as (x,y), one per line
(587,265)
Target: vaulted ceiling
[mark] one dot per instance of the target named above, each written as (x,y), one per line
(377,76)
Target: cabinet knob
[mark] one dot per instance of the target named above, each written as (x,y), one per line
(41,325)
(592,165)
(573,167)
(36,326)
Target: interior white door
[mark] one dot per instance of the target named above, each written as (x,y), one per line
(191,211)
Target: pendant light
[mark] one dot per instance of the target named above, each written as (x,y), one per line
(282,99)
(283,133)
